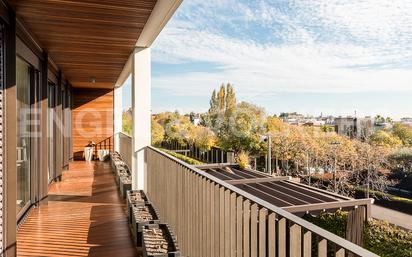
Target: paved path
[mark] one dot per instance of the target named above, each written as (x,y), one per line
(84,217)
(392,216)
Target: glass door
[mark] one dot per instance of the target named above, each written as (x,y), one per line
(50,117)
(23,82)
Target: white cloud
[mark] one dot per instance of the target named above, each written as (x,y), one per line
(320,46)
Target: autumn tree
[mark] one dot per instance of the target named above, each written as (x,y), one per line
(385,138)
(176,126)
(404,133)
(201,137)
(158,132)
(369,173)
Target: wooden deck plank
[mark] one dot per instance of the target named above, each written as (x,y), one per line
(85,216)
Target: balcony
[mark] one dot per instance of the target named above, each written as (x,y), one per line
(72,58)
(86,216)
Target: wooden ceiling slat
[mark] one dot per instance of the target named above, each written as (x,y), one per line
(71,19)
(123,5)
(102,9)
(47,28)
(86,38)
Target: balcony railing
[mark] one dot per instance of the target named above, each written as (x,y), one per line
(123,143)
(213,218)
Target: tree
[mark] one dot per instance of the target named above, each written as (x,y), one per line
(287,143)
(158,133)
(192,116)
(230,101)
(201,137)
(127,123)
(221,98)
(243,160)
(379,119)
(176,126)
(384,138)
(327,128)
(404,133)
(371,162)
(244,129)
(213,102)
(389,120)
(402,158)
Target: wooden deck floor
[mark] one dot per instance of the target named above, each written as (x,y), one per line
(84,217)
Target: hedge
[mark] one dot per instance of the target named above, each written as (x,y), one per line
(387,200)
(387,240)
(380,237)
(182,157)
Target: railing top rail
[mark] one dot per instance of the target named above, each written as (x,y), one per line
(351,247)
(123,134)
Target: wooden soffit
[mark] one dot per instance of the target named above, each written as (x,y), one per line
(86,38)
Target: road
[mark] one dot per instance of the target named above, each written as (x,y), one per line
(392,216)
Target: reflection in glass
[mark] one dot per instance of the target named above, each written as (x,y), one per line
(51,99)
(23,134)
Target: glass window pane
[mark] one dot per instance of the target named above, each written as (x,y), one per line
(23,134)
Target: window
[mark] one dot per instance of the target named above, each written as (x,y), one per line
(23,82)
(50,121)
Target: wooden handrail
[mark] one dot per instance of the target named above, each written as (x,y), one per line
(322,233)
(123,134)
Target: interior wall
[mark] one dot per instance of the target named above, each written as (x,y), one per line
(92,117)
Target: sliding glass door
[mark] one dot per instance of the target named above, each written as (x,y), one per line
(51,144)
(23,81)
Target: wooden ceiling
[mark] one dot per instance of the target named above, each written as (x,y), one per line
(86,38)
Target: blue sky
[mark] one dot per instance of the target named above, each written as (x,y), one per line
(309,56)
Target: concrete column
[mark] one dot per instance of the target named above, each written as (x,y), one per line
(117,113)
(141,106)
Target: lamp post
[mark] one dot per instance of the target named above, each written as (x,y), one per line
(307,165)
(269,155)
(367,178)
(335,143)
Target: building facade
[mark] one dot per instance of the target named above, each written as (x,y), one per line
(354,127)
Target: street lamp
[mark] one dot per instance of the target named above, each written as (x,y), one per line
(307,165)
(269,159)
(335,143)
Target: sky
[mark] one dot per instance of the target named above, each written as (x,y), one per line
(310,56)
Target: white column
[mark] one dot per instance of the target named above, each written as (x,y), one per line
(118,112)
(141,106)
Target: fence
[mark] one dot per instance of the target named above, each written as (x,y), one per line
(214,155)
(106,144)
(213,218)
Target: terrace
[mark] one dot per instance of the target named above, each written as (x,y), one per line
(72,59)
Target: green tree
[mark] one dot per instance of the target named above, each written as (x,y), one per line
(244,129)
(213,103)
(402,158)
(127,123)
(379,119)
(230,101)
